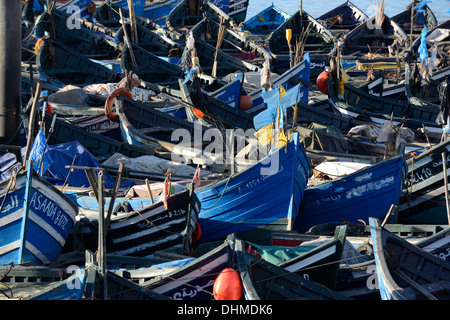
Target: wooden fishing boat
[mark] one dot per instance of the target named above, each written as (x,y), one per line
(438,244)
(187,14)
(99,146)
(368,38)
(319,264)
(424,187)
(262,280)
(71,288)
(80,39)
(144,125)
(152,41)
(231,43)
(406,272)
(343,18)
(82,8)
(158,11)
(359,103)
(264,22)
(236,9)
(149,67)
(300,73)
(226,63)
(368,192)
(215,111)
(107,14)
(142,232)
(424,93)
(36,219)
(423,17)
(102,284)
(195,280)
(317,40)
(240,203)
(59,65)
(355,278)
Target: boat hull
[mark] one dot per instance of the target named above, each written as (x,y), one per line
(35,221)
(254,203)
(369,192)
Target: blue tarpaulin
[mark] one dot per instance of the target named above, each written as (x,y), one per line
(423,51)
(55,160)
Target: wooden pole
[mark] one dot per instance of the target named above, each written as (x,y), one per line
(101,257)
(391,211)
(128,42)
(444,166)
(220,36)
(31,121)
(113,197)
(149,190)
(134,34)
(412,23)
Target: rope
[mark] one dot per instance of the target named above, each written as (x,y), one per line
(228,180)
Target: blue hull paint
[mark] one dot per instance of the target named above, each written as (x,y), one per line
(252,202)
(159,11)
(34,222)
(369,192)
(301,71)
(195,280)
(70,289)
(273,18)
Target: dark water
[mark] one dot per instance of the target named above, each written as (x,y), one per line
(317,7)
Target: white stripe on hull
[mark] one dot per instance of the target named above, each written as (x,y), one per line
(198,272)
(143,247)
(308,261)
(147,231)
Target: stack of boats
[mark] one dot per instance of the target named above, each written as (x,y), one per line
(170,146)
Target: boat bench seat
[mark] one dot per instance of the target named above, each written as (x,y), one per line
(435,288)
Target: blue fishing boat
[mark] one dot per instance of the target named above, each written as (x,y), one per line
(262,198)
(195,280)
(236,9)
(71,288)
(79,9)
(36,219)
(298,74)
(343,18)
(368,192)
(158,11)
(59,65)
(406,272)
(266,21)
(262,280)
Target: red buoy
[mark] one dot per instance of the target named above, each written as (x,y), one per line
(322,82)
(227,285)
(245,102)
(197,233)
(49,108)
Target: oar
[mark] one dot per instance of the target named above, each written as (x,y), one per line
(289,38)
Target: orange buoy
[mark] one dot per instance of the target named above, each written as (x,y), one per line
(197,233)
(245,102)
(322,82)
(228,285)
(119,91)
(38,45)
(198,113)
